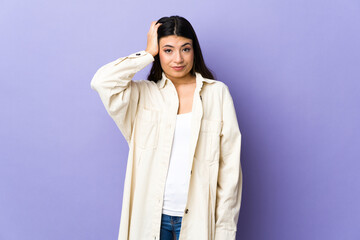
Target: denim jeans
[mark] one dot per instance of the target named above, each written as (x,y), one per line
(170,227)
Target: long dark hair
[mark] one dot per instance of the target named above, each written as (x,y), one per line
(179,26)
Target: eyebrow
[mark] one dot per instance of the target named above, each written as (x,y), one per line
(167,45)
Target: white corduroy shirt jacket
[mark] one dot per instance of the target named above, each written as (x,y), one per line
(145,112)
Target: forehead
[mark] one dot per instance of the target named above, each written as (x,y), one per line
(174,40)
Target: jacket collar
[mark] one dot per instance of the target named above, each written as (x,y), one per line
(199,80)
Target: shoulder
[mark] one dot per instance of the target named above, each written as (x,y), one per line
(215,85)
(218,90)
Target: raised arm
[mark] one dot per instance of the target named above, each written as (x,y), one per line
(117,91)
(229,184)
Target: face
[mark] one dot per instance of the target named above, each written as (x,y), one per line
(176,57)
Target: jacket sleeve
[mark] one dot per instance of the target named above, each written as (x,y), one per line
(229,184)
(118,92)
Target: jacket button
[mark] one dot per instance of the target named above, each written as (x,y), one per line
(138,54)
(186,211)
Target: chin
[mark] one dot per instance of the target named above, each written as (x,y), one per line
(180,74)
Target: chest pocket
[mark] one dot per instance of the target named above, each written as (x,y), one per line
(208,145)
(147,128)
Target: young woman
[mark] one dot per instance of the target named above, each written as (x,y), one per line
(183,178)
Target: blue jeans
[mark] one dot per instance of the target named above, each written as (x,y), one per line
(170,227)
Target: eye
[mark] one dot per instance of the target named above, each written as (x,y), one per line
(187,49)
(167,50)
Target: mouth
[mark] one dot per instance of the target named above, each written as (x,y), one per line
(178,68)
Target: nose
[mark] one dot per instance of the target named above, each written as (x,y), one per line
(178,58)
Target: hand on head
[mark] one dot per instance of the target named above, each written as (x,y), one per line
(152,43)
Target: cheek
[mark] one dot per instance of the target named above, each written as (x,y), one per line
(191,57)
(191,60)
(161,57)
(163,60)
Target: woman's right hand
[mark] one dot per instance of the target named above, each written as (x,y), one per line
(152,44)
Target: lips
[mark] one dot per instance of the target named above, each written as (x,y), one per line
(178,68)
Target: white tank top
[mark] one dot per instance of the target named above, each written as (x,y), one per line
(177,181)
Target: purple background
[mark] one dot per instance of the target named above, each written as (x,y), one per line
(292,68)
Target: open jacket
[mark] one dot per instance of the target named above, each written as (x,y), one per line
(145,112)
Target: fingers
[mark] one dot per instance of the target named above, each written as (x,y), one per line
(153,28)
(154,25)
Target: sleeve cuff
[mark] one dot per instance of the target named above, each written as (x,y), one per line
(142,58)
(222,234)
(142,53)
